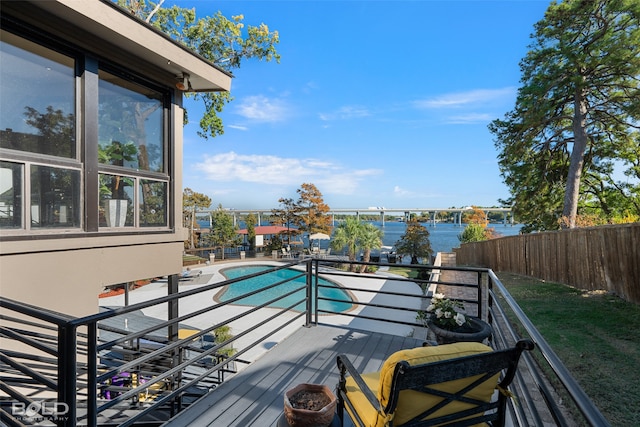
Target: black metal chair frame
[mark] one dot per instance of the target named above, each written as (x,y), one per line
(421,377)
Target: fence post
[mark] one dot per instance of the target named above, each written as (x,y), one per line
(480,296)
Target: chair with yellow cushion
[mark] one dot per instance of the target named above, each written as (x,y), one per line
(452,384)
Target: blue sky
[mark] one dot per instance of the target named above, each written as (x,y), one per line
(377,103)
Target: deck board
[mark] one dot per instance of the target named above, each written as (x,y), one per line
(254,397)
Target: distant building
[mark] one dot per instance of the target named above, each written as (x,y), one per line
(90,150)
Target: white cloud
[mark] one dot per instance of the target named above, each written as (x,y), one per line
(469,98)
(401,191)
(471,118)
(238,127)
(330,177)
(345,113)
(263,109)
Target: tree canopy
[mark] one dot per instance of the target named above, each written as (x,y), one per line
(191,202)
(576,117)
(311,211)
(223,41)
(415,243)
(223,232)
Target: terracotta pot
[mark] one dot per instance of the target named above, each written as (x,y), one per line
(298,417)
(476,331)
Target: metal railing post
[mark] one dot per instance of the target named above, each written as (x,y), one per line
(92,373)
(67,381)
(309,319)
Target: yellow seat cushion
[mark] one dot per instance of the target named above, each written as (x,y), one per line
(412,403)
(359,401)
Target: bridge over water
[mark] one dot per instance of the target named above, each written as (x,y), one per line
(380,211)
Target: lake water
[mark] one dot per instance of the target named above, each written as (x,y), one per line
(443,236)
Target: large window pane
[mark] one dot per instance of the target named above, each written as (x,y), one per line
(130,127)
(55,197)
(11,195)
(153,203)
(38,98)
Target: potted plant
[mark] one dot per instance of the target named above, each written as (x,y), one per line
(112,187)
(445,319)
(309,405)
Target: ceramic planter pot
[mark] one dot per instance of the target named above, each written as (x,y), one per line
(476,331)
(320,395)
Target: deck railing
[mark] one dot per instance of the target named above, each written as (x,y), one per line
(126,365)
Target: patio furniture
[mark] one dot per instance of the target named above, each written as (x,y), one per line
(428,386)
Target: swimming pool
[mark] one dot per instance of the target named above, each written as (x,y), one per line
(244,286)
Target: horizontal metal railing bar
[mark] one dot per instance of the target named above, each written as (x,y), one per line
(57,319)
(24,369)
(374,291)
(28,341)
(582,401)
(33,357)
(25,322)
(367,304)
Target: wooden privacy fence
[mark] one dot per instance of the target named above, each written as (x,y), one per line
(605,257)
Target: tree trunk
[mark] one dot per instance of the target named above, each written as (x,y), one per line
(572,191)
(193,226)
(366,257)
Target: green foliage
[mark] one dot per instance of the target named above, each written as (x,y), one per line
(191,202)
(347,235)
(415,243)
(251,222)
(311,211)
(223,41)
(443,312)
(472,233)
(286,215)
(274,245)
(355,235)
(223,334)
(223,232)
(575,116)
(370,238)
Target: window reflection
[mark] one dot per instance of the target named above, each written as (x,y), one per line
(54,197)
(130,124)
(116,201)
(38,98)
(10,195)
(153,203)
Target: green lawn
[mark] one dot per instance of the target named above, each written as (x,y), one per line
(597,337)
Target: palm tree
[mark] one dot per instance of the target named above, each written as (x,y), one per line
(370,238)
(347,234)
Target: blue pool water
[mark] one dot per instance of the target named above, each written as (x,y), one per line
(244,286)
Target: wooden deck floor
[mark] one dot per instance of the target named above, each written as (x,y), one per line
(254,397)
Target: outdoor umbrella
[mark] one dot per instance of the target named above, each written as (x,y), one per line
(319,236)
